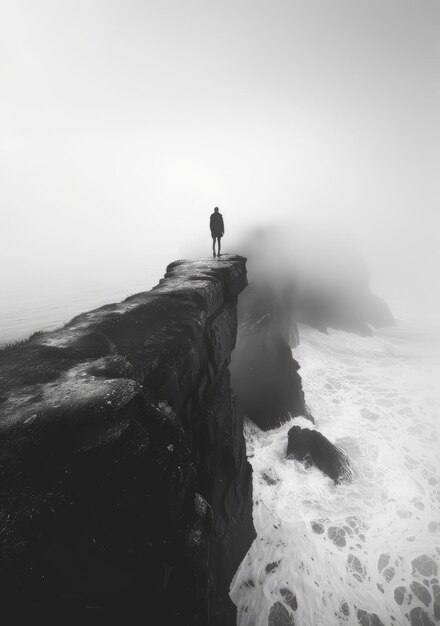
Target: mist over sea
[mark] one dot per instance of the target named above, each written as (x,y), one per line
(25,309)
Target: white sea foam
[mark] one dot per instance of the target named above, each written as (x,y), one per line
(336,554)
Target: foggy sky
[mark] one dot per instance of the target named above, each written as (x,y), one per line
(124,122)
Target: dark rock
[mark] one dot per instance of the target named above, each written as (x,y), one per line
(312,448)
(125,483)
(264,374)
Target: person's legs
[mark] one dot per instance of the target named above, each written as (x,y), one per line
(213,247)
(219,239)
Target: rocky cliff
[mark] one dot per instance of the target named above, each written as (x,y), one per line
(264,373)
(124,481)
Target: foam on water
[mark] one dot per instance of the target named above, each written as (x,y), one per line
(361,552)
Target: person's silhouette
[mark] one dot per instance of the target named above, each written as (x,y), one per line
(217,229)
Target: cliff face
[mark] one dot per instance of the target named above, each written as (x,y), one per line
(125,484)
(264,373)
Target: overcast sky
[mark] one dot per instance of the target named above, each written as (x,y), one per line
(124,122)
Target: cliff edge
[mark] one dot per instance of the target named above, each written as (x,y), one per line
(125,483)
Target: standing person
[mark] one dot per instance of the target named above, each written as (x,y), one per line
(217,229)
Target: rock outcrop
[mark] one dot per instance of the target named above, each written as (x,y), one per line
(328,280)
(312,448)
(264,374)
(125,484)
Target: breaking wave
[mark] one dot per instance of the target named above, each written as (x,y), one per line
(362,552)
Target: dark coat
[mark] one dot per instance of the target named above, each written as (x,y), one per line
(216,225)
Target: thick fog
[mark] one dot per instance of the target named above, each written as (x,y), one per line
(124,122)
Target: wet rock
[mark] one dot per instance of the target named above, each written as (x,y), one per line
(311,447)
(264,374)
(280,616)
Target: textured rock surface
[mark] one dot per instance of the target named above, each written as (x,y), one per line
(125,484)
(312,448)
(264,373)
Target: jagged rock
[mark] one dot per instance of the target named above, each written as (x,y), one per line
(264,374)
(125,483)
(312,448)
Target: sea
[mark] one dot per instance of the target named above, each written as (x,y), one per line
(365,551)
(32,308)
